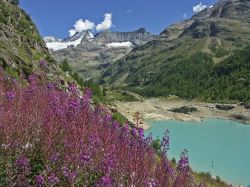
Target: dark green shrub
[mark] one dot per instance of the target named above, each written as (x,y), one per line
(65,66)
(16,2)
(157,145)
(118,117)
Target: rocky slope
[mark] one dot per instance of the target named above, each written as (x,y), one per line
(20,43)
(90,55)
(191,50)
(21,46)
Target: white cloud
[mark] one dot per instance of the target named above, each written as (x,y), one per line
(106,24)
(83,25)
(184,15)
(199,7)
(130,11)
(72,32)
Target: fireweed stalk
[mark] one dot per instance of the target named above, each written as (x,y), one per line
(53,137)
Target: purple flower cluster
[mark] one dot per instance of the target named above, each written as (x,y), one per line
(54,158)
(165,142)
(39,180)
(85,159)
(43,63)
(53,179)
(77,144)
(22,162)
(105,181)
(69,175)
(183,164)
(10,95)
(32,79)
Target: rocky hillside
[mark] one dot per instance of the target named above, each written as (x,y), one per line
(21,46)
(90,55)
(188,52)
(20,43)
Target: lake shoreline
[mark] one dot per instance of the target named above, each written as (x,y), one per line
(156,109)
(210,142)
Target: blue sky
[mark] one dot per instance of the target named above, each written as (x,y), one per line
(57,17)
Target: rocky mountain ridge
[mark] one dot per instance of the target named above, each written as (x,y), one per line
(90,54)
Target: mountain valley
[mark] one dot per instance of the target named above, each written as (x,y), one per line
(203,57)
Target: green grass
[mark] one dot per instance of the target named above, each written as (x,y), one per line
(118,95)
(207,179)
(119,117)
(195,77)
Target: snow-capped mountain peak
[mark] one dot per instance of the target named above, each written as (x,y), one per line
(94,53)
(56,44)
(106,39)
(77,35)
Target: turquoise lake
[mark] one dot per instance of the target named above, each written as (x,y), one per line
(222,143)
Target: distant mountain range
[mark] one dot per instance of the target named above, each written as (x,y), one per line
(90,54)
(205,57)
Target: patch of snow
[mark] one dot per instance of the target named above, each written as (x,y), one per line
(55,46)
(119,44)
(48,39)
(91,36)
(199,7)
(58,44)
